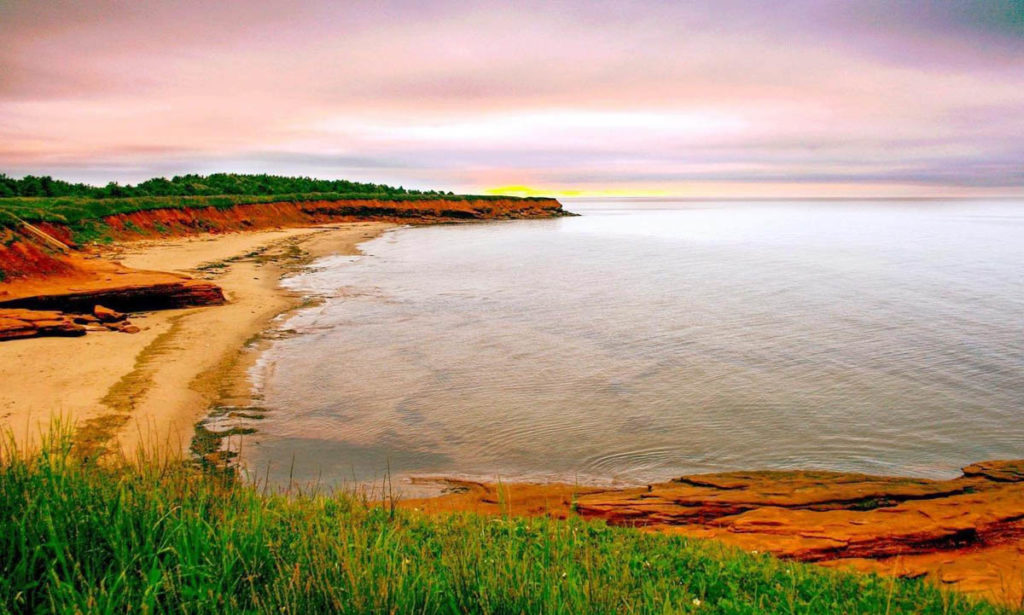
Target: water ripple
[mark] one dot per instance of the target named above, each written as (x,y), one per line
(644,344)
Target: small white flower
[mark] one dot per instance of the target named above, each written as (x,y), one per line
(696,602)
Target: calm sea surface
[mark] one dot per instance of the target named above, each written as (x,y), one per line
(645,340)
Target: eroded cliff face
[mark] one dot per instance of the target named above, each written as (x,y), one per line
(967,533)
(41,277)
(161,222)
(25,256)
(42,267)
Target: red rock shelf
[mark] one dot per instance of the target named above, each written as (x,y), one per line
(966,533)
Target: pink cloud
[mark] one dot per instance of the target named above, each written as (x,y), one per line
(467,96)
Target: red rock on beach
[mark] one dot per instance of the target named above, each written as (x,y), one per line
(18,323)
(966,533)
(107,315)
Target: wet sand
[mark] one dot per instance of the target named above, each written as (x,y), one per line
(152,387)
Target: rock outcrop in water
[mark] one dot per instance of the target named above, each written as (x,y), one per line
(967,533)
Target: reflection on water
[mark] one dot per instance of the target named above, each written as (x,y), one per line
(646,340)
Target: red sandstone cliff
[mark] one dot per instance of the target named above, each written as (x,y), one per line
(24,255)
(41,267)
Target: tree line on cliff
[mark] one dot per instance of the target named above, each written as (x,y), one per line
(199,185)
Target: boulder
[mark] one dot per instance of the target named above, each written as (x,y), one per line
(104,314)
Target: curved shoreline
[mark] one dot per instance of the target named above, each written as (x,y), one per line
(213,435)
(966,533)
(148,390)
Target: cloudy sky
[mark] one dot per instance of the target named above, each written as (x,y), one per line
(716,98)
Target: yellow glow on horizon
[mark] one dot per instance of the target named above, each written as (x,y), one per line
(716,190)
(520,190)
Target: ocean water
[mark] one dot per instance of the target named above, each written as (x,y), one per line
(645,340)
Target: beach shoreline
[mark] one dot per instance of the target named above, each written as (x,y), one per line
(148,395)
(146,392)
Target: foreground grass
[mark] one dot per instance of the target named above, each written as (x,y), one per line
(76,538)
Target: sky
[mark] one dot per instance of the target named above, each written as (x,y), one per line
(725,98)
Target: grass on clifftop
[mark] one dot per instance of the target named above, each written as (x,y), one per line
(44,199)
(76,538)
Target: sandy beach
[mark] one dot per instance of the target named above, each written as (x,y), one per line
(151,388)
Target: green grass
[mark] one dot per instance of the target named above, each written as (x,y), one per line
(81,206)
(78,212)
(78,538)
